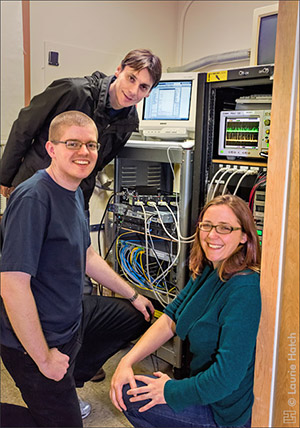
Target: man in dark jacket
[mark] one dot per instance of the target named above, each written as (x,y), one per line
(109,100)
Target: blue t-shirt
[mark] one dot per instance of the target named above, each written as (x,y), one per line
(45,234)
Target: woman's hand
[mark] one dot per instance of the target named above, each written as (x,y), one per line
(123,375)
(153,390)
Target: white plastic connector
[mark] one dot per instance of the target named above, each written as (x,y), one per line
(139,203)
(254,168)
(151,204)
(162,203)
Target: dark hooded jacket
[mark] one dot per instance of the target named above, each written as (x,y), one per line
(25,151)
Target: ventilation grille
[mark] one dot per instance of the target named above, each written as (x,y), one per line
(129,176)
(149,175)
(154,176)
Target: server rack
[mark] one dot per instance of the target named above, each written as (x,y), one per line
(151,196)
(218,92)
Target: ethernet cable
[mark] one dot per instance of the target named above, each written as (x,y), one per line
(141,204)
(169,268)
(152,282)
(212,182)
(164,273)
(248,172)
(134,277)
(260,182)
(237,171)
(154,252)
(177,206)
(183,239)
(219,180)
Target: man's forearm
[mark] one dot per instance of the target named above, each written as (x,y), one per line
(99,270)
(23,315)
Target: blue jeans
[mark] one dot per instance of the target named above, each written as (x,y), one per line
(162,416)
(107,325)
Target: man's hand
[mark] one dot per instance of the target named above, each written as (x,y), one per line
(55,366)
(6,191)
(101,272)
(141,303)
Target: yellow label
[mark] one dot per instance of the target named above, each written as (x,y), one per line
(157,313)
(217,76)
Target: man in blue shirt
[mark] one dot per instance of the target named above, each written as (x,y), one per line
(51,339)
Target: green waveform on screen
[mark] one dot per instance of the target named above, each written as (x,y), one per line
(242,130)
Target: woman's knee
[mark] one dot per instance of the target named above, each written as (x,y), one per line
(132,406)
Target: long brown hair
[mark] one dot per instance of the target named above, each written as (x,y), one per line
(246,256)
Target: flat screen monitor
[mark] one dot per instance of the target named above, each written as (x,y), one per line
(170,110)
(264,35)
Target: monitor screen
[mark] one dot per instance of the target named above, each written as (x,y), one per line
(267,40)
(169,100)
(242,132)
(263,41)
(169,112)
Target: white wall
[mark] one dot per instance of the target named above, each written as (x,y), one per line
(12,64)
(214,27)
(91,35)
(12,70)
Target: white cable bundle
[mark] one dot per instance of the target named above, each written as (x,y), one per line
(248,172)
(220,179)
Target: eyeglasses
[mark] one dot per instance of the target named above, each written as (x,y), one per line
(76,145)
(222,229)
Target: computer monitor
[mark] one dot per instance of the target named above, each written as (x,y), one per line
(264,35)
(170,110)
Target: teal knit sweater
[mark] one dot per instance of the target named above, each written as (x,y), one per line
(221,320)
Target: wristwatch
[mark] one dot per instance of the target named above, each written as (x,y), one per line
(134,297)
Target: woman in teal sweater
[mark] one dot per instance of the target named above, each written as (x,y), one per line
(218,312)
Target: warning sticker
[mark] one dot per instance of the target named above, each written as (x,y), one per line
(217,76)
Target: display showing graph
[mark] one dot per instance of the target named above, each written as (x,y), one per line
(241,132)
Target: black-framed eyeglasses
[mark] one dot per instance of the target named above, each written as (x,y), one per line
(92,146)
(222,229)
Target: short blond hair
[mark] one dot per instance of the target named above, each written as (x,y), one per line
(67,119)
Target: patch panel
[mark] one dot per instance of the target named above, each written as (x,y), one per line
(136,212)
